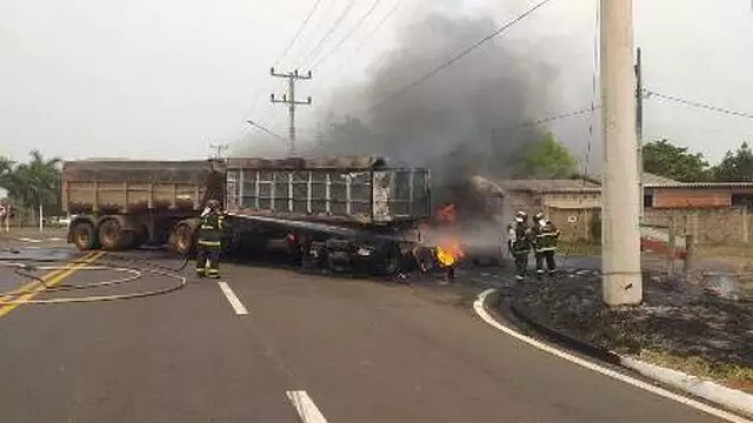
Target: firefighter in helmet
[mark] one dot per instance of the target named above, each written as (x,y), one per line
(519,242)
(209,244)
(545,243)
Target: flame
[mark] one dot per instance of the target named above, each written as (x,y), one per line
(449,252)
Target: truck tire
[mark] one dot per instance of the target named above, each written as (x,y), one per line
(389,264)
(183,236)
(111,236)
(82,235)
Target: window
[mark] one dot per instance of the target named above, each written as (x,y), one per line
(743,200)
(648,200)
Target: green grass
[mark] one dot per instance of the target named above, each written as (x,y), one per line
(740,377)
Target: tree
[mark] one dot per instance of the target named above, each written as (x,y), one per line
(737,167)
(547,158)
(34,183)
(666,159)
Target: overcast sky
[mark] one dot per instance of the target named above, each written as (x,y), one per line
(164,78)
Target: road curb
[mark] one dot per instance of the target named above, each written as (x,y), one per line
(729,398)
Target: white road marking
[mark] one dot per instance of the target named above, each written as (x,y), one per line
(232,298)
(305,407)
(478,306)
(29,240)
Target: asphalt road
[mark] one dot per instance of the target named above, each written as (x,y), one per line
(362,351)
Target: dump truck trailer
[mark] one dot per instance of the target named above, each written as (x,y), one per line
(122,204)
(340,213)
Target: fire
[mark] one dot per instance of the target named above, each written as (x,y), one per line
(449,252)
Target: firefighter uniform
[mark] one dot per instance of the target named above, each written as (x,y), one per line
(209,244)
(519,242)
(546,237)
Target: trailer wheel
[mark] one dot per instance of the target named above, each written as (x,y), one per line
(184,239)
(389,264)
(82,234)
(111,236)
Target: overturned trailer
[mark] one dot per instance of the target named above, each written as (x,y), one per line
(343,212)
(340,212)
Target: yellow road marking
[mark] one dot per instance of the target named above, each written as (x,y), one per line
(54,280)
(35,283)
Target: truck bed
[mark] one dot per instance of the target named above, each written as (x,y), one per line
(130,187)
(358,190)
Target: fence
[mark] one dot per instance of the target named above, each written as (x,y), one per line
(708,226)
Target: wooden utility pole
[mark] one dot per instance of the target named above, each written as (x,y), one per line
(290,100)
(621,260)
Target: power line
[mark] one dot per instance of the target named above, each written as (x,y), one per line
(528,124)
(365,39)
(371,33)
(696,104)
(454,58)
(264,128)
(298,33)
(315,52)
(347,36)
(379,25)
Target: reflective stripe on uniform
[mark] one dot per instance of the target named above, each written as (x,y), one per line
(209,243)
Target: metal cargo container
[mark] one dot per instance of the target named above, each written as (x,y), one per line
(122,204)
(358,190)
(131,187)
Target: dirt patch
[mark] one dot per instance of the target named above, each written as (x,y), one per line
(677,325)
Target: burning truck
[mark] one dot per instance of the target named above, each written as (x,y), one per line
(339,213)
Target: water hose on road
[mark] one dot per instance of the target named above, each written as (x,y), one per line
(135,274)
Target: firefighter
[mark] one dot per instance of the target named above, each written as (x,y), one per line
(519,242)
(545,244)
(209,244)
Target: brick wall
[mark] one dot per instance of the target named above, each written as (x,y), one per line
(684,198)
(578,230)
(708,226)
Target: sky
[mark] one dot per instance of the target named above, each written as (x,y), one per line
(164,79)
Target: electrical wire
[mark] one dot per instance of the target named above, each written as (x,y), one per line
(298,33)
(691,103)
(457,56)
(550,119)
(312,55)
(347,36)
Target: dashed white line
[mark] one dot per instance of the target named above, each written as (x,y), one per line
(305,407)
(232,298)
(480,309)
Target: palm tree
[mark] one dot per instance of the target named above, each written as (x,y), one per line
(33,184)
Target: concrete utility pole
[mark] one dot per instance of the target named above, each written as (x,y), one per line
(290,100)
(639,127)
(218,148)
(621,259)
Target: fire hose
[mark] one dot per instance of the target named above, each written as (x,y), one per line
(22,267)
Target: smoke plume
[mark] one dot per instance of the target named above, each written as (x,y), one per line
(453,122)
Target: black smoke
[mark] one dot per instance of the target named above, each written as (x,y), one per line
(453,122)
